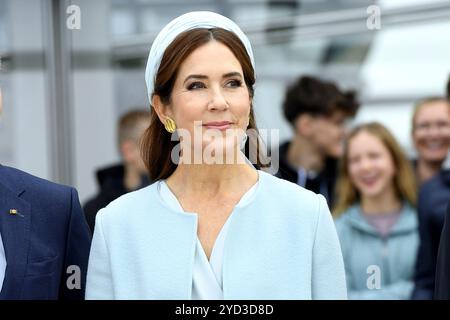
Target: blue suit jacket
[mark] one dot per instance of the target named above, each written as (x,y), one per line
(432,205)
(47,235)
(442,289)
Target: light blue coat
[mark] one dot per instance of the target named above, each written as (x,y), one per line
(282,245)
(366,254)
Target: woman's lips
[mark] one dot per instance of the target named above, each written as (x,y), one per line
(219,125)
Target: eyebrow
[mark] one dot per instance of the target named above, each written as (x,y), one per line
(202,76)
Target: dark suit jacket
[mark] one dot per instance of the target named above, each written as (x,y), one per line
(442,290)
(47,234)
(432,205)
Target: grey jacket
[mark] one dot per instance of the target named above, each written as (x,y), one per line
(377,267)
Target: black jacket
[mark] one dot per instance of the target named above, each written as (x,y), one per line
(323,183)
(45,238)
(111,183)
(442,288)
(431,207)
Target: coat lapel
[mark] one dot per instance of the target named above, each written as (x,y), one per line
(15,231)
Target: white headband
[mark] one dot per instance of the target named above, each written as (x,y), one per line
(187,21)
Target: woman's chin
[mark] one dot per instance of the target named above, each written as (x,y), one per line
(372,193)
(220,152)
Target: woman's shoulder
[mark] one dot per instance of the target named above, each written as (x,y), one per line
(409,208)
(132,202)
(289,191)
(293,201)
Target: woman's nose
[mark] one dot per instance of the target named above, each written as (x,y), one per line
(217,100)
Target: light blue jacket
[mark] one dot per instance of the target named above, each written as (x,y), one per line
(366,254)
(282,245)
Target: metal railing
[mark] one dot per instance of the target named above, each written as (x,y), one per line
(306,26)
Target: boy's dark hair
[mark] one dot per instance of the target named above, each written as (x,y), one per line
(317,97)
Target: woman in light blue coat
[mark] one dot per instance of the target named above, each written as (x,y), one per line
(211,226)
(377,223)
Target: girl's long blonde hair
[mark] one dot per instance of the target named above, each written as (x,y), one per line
(404,180)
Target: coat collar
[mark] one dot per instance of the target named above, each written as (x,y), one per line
(407,221)
(15,230)
(180,235)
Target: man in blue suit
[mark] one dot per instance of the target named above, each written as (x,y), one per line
(442,283)
(44,239)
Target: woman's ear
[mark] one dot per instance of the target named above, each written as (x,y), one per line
(160,108)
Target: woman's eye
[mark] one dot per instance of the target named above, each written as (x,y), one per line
(234,83)
(196,85)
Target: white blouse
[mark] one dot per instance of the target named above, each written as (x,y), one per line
(207,275)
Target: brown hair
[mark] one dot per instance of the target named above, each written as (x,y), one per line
(404,181)
(156,143)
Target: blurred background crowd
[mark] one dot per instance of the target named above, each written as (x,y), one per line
(363,113)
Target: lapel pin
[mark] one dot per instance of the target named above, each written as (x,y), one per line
(15,212)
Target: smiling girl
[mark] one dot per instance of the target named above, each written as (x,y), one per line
(376,220)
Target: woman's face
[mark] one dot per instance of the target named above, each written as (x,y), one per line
(370,165)
(210,97)
(431,132)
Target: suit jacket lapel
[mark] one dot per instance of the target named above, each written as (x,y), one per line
(15,231)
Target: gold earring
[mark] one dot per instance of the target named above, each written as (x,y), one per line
(170,126)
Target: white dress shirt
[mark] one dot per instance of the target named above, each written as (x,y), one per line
(2,263)
(207,275)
